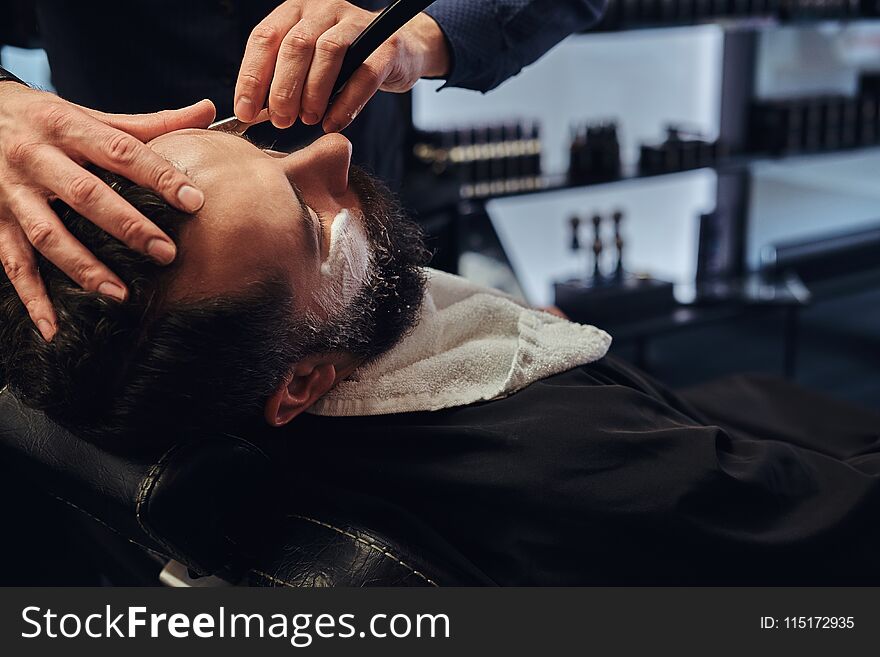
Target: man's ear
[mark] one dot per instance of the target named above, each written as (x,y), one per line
(307,383)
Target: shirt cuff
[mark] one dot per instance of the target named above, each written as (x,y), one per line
(475,41)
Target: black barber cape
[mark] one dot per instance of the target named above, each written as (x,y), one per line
(600,476)
(147,55)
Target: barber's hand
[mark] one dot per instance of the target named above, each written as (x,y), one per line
(44,143)
(296,52)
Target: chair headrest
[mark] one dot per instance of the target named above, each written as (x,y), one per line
(198,502)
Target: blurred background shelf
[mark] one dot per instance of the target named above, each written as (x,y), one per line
(715,225)
(555,183)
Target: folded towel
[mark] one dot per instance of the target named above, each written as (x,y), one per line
(471,344)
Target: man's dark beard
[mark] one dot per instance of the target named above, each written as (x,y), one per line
(387,306)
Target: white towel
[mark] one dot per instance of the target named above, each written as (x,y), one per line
(471,344)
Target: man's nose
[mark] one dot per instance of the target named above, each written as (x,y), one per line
(324,163)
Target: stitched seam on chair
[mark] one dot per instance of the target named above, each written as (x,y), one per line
(155,471)
(147,483)
(143,494)
(112,529)
(274,580)
(370,545)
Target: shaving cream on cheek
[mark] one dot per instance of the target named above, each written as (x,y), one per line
(347,265)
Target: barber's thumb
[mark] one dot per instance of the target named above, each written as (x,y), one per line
(150,126)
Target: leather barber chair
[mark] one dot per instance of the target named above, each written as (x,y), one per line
(216,511)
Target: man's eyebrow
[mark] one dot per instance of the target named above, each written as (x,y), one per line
(249,140)
(245,137)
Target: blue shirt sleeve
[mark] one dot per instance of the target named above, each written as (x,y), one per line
(492,40)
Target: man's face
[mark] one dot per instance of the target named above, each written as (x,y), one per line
(264,212)
(350,255)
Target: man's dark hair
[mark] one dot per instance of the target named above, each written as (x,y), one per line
(148,370)
(131,370)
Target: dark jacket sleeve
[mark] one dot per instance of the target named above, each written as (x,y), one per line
(492,40)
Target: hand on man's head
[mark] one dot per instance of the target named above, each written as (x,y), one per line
(45,145)
(295,54)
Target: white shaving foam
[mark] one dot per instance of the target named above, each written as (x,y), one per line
(347,265)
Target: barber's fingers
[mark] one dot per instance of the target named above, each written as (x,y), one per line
(363,84)
(92,198)
(258,63)
(121,153)
(330,50)
(45,231)
(20,265)
(303,45)
(149,126)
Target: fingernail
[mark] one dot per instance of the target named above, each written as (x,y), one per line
(190,198)
(310,118)
(46,329)
(331,126)
(161,250)
(280,121)
(109,289)
(244,109)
